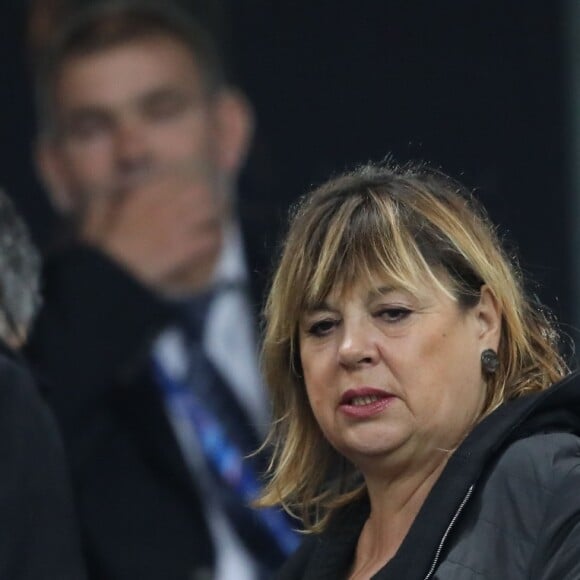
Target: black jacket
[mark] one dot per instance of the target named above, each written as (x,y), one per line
(38,531)
(140,511)
(507,505)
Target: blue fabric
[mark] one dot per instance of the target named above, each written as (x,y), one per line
(227,438)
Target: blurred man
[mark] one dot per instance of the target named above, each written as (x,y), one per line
(147,335)
(38,532)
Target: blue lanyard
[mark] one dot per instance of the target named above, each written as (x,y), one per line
(224,455)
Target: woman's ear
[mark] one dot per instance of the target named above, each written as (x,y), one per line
(489,318)
(235,128)
(52,170)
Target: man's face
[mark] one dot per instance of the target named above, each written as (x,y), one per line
(142,157)
(132,113)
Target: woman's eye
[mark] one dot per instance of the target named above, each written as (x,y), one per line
(321,327)
(394,314)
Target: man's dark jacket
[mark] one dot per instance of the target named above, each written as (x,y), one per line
(38,531)
(507,505)
(140,511)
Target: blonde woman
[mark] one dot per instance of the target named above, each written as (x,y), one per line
(417,433)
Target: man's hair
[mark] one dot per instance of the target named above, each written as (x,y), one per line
(112,23)
(19,274)
(415,229)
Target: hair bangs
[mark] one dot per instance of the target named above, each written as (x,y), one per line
(364,241)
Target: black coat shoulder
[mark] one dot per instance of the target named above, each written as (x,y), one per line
(38,531)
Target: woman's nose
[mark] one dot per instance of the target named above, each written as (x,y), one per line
(357,346)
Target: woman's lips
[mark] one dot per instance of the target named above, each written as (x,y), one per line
(364,402)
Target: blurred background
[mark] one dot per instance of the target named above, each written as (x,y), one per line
(488,90)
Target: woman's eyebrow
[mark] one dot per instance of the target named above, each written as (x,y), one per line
(380,291)
(318,307)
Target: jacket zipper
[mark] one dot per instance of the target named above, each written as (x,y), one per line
(447,531)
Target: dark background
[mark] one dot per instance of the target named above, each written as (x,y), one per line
(478,88)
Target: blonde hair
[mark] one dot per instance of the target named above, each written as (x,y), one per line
(412,226)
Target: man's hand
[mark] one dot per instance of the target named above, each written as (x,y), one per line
(167,230)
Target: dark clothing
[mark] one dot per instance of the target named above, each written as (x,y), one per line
(507,505)
(140,511)
(138,508)
(38,531)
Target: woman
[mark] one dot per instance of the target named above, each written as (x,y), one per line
(416,434)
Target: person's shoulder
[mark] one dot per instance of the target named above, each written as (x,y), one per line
(542,457)
(525,482)
(541,474)
(531,471)
(17,385)
(21,403)
(29,437)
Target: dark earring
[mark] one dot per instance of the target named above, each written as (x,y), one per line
(489,361)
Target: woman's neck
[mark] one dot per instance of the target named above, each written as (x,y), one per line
(395,504)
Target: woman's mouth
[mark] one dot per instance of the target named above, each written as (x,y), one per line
(364,402)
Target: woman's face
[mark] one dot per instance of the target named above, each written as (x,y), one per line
(392,377)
